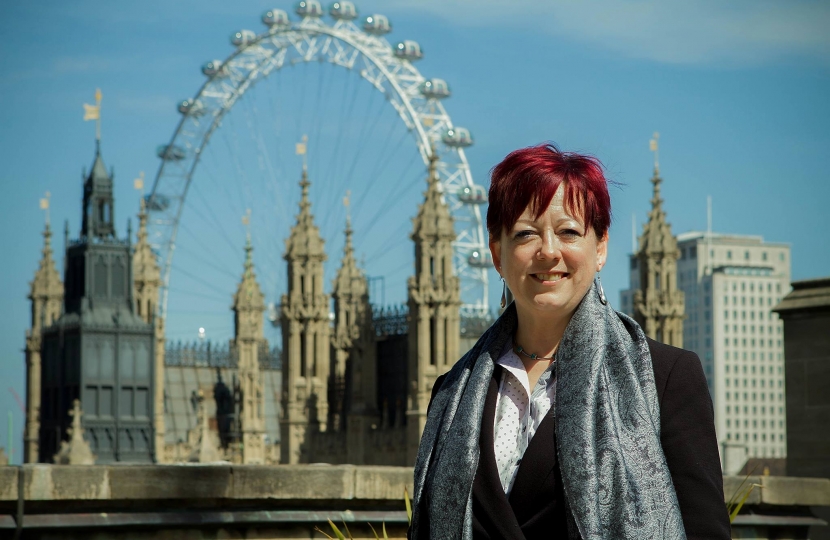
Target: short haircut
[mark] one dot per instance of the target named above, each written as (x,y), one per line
(531,176)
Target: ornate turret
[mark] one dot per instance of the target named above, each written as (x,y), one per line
(46,296)
(353,386)
(305,335)
(659,305)
(248,308)
(98,218)
(434,302)
(100,351)
(146,284)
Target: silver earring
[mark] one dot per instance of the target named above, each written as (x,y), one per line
(601,292)
(503,293)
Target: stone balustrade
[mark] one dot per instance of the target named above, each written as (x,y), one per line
(286,501)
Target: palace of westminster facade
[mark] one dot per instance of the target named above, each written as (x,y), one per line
(103,386)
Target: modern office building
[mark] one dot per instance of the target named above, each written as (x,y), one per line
(731,284)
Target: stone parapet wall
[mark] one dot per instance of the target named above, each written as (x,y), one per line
(283,501)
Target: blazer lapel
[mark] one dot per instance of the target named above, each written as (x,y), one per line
(493,516)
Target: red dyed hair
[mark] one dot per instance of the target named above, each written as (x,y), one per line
(531,176)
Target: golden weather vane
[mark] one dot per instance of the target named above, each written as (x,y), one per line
(302,150)
(246,220)
(93,112)
(654,146)
(44,205)
(347,202)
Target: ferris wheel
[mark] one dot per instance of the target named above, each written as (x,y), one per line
(339,38)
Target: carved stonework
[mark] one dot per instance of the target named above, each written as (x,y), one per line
(434,303)
(305,336)
(146,284)
(76,451)
(659,306)
(46,296)
(203,441)
(353,384)
(248,308)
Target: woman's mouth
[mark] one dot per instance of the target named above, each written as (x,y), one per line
(555,276)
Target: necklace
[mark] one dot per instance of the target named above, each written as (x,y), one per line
(532,356)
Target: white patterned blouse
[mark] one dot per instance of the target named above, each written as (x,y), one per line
(519,412)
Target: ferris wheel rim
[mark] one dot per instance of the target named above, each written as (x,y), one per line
(349,34)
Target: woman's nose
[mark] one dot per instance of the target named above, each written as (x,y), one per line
(550,246)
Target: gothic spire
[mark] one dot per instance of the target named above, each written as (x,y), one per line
(47,280)
(433,214)
(305,239)
(146,273)
(98,219)
(248,295)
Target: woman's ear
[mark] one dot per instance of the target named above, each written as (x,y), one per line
(602,251)
(495,252)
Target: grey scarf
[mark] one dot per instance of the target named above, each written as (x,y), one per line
(614,473)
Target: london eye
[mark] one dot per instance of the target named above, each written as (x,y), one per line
(232,150)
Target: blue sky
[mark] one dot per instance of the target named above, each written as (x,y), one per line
(738,92)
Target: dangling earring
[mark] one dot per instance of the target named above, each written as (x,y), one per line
(503,293)
(601,292)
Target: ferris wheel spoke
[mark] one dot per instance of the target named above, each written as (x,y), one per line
(341,44)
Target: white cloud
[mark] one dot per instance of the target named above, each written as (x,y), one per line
(743,32)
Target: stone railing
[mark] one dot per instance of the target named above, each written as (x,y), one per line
(234,501)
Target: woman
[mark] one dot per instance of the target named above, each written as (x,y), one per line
(564,420)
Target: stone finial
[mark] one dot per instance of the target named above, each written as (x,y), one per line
(76,451)
(206,450)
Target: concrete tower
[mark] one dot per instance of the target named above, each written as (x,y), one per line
(658,304)
(434,303)
(46,295)
(146,283)
(305,336)
(248,308)
(354,351)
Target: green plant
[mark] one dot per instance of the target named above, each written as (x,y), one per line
(736,502)
(341,536)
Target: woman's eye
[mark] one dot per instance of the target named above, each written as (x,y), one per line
(523,234)
(569,233)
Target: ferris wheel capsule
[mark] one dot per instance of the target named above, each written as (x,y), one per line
(191,107)
(480,258)
(170,152)
(377,25)
(309,8)
(457,137)
(243,38)
(435,88)
(275,17)
(474,194)
(408,50)
(343,11)
(213,69)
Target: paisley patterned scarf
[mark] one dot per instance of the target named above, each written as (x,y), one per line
(614,473)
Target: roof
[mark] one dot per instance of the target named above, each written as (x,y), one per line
(807,295)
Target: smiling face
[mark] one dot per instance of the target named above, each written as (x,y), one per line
(549,263)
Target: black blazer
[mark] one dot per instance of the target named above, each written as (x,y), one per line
(536,507)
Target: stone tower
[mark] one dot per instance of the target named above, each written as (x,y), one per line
(434,303)
(99,351)
(46,295)
(306,344)
(354,355)
(659,305)
(248,308)
(146,284)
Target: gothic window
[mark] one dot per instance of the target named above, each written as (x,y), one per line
(302,337)
(119,278)
(100,277)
